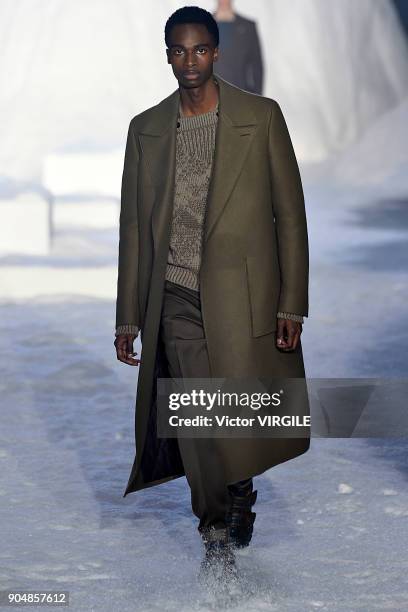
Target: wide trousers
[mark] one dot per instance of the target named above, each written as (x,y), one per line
(182,332)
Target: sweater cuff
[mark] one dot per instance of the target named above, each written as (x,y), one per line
(289,315)
(127,329)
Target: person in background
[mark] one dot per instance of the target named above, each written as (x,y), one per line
(240,60)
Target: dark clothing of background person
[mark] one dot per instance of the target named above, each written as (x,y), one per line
(240,58)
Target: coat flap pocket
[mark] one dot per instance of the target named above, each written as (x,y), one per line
(263,295)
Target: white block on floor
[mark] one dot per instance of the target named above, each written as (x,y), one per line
(84,173)
(25,225)
(25,282)
(98,214)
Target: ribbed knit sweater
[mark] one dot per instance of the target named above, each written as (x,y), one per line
(194,157)
(195,148)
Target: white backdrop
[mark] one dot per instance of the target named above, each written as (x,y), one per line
(73,73)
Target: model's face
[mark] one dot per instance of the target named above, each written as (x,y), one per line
(191,51)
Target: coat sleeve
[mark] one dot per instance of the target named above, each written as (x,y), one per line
(127,306)
(290,216)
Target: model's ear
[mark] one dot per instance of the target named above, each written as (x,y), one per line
(215,57)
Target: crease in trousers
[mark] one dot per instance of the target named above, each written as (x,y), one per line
(182,332)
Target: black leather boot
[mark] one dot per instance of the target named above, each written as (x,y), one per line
(240,519)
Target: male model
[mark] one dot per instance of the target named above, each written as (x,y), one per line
(213,270)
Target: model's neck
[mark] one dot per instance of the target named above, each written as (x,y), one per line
(199,100)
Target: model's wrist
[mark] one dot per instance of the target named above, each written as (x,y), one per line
(128,328)
(290,315)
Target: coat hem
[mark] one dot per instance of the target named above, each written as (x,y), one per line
(153,483)
(243,476)
(261,471)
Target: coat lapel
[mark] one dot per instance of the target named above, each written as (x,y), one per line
(235,131)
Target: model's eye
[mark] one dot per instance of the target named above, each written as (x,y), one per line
(203,49)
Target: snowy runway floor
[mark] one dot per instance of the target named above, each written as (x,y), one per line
(330,533)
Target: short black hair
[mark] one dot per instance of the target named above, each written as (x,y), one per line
(192,14)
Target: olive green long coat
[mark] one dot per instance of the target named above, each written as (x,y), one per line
(255,262)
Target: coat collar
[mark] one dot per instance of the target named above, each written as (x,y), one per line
(163,117)
(236,128)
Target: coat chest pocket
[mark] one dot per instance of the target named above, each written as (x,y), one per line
(263,283)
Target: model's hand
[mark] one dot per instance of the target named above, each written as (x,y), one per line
(124,349)
(288,334)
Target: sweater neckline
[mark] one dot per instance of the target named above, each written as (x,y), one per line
(211,112)
(194,121)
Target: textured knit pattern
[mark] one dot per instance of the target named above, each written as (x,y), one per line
(289,315)
(127,329)
(194,157)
